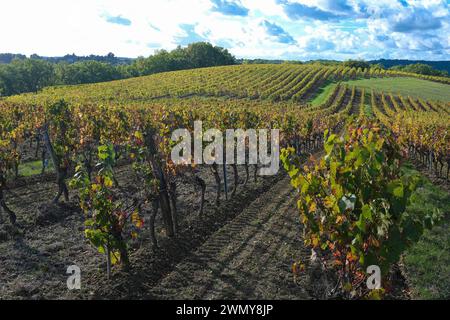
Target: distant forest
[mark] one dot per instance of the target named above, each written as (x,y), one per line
(438,65)
(69,58)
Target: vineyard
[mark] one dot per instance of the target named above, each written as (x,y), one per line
(106,195)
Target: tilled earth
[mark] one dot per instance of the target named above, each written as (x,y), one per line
(251,257)
(242,250)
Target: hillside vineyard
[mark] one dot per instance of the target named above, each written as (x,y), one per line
(131,121)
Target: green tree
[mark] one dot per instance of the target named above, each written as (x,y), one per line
(86,72)
(357,64)
(203,54)
(196,55)
(25,76)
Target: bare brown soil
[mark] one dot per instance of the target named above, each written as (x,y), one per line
(249,258)
(243,250)
(253,238)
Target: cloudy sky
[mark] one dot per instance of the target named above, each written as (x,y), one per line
(286,29)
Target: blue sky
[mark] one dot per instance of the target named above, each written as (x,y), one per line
(280,29)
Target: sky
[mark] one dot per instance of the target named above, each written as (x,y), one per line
(273,29)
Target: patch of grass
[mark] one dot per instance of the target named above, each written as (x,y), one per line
(427,263)
(368,111)
(417,88)
(367,107)
(33,168)
(322,94)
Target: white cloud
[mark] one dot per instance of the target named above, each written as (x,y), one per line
(369,28)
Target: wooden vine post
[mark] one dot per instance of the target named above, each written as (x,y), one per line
(61,172)
(163,188)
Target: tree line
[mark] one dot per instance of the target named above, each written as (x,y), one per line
(421,68)
(34,73)
(69,58)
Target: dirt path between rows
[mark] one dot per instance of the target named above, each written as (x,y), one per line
(249,258)
(243,251)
